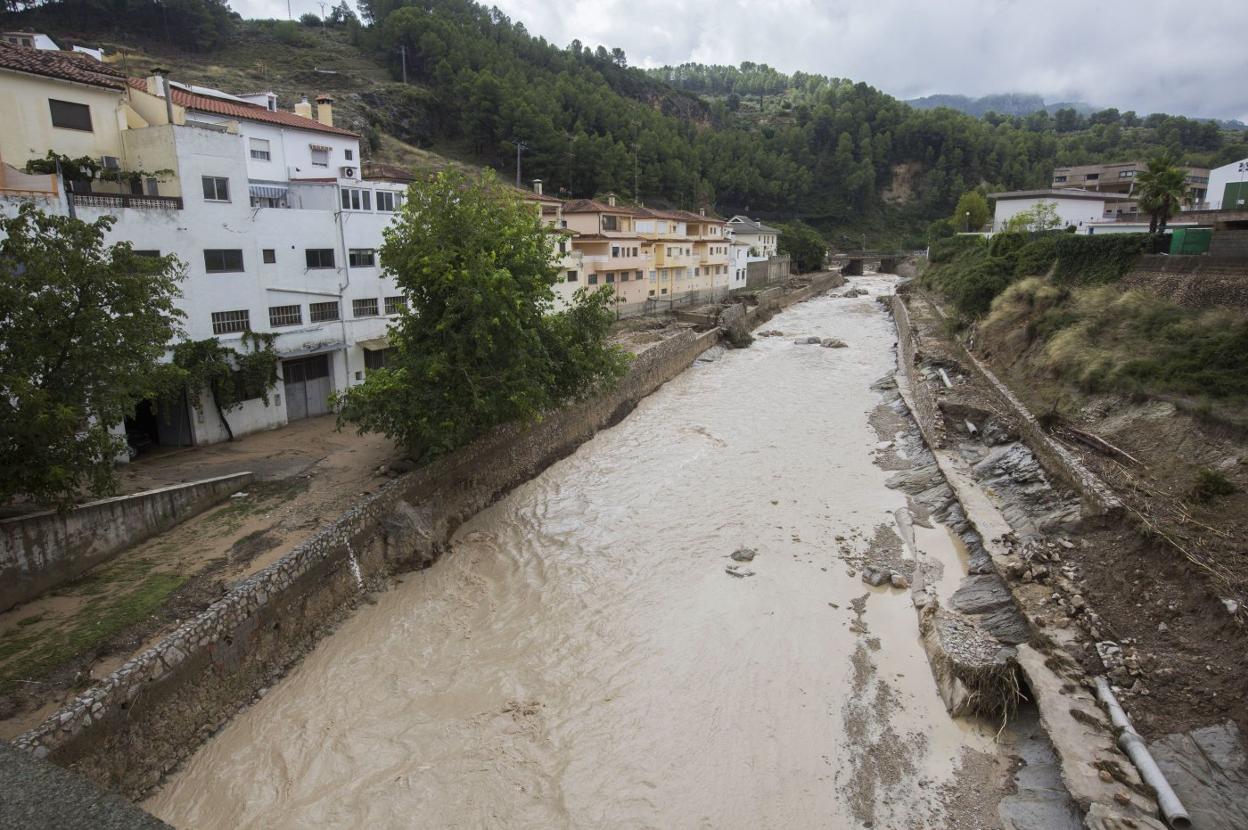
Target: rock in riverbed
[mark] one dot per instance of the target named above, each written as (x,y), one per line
(744,555)
(738,571)
(807,341)
(833,343)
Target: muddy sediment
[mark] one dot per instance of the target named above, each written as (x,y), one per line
(580,657)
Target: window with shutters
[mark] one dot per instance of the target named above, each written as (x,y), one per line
(260,149)
(70,116)
(228,322)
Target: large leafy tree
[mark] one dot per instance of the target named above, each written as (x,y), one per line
(972,212)
(1161,188)
(807,250)
(478,344)
(83,326)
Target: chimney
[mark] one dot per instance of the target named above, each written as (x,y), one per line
(303,108)
(702,211)
(537,186)
(611,199)
(325,110)
(158,85)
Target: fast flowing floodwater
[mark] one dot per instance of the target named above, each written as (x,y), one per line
(581,658)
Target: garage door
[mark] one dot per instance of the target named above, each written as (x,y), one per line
(307,386)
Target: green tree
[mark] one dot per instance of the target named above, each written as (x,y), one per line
(83,326)
(807,250)
(972,212)
(478,344)
(230,376)
(1042,216)
(1161,188)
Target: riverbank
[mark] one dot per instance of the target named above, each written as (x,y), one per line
(144,718)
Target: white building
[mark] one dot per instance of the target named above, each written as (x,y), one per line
(761,239)
(1228,186)
(267,209)
(1073,206)
(738,262)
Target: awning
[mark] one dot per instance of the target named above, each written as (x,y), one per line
(268,191)
(374,345)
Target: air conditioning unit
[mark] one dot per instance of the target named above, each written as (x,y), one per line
(348,172)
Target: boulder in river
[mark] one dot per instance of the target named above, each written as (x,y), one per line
(875,577)
(807,341)
(833,343)
(744,555)
(899,581)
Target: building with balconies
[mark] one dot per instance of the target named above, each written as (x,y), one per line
(1119,178)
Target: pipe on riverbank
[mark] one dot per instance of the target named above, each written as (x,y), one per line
(1172,810)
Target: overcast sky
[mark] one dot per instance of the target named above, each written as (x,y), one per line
(1146,55)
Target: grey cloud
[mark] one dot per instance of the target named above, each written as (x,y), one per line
(1149,56)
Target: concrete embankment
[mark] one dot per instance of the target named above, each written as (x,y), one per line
(149,715)
(1025,553)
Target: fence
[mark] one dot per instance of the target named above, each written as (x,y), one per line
(123,200)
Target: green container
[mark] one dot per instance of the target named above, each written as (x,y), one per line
(1189,241)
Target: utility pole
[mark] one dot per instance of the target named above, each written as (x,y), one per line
(322,4)
(289,15)
(636,189)
(520,145)
(403,57)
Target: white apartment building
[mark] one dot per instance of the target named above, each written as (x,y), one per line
(267,209)
(763,240)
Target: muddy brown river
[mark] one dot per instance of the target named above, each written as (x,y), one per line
(581,658)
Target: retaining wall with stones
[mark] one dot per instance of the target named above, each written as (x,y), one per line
(40,551)
(153,712)
(1057,461)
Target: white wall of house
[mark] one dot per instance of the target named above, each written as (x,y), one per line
(1077,212)
(1220,177)
(738,259)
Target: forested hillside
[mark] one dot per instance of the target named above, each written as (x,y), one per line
(841,155)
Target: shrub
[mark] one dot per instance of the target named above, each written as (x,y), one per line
(944,250)
(309,19)
(1095,260)
(1006,244)
(1036,257)
(289,33)
(1210,485)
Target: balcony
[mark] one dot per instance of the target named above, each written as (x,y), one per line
(123,200)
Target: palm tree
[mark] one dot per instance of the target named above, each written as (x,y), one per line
(1161,189)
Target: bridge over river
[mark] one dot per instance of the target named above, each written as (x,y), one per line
(583,658)
(853,263)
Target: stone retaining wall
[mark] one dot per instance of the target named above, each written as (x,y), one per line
(153,712)
(1057,461)
(43,550)
(1194,282)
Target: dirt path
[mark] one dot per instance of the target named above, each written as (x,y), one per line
(307,474)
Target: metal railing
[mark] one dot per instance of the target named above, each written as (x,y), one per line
(124,200)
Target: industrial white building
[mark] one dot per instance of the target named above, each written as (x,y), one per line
(1228,186)
(1074,207)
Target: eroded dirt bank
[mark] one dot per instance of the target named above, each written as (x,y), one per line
(582,658)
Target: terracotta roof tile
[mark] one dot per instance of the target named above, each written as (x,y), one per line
(65,66)
(593,206)
(250,112)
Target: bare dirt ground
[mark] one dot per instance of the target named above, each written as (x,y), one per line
(307,474)
(1167,578)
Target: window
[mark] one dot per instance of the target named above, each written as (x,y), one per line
(70,116)
(285,315)
(320,157)
(593,279)
(615,250)
(223,260)
(227,322)
(216,189)
(1059,178)
(320,257)
(364,308)
(361,257)
(572,276)
(395,304)
(610,277)
(269,255)
(1126,174)
(260,149)
(623,276)
(322,312)
(388,201)
(356,199)
(148,253)
(609,223)
(348,154)
(1092,177)
(638,276)
(377,359)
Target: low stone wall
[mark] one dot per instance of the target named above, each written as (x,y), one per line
(1193,282)
(768,271)
(153,712)
(908,350)
(43,550)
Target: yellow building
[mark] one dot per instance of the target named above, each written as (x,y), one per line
(613,252)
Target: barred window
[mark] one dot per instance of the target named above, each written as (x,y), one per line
(321,312)
(364,308)
(395,304)
(285,315)
(227,322)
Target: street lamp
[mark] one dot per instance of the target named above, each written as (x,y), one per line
(968,221)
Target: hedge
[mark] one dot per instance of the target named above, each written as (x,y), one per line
(1094,260)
